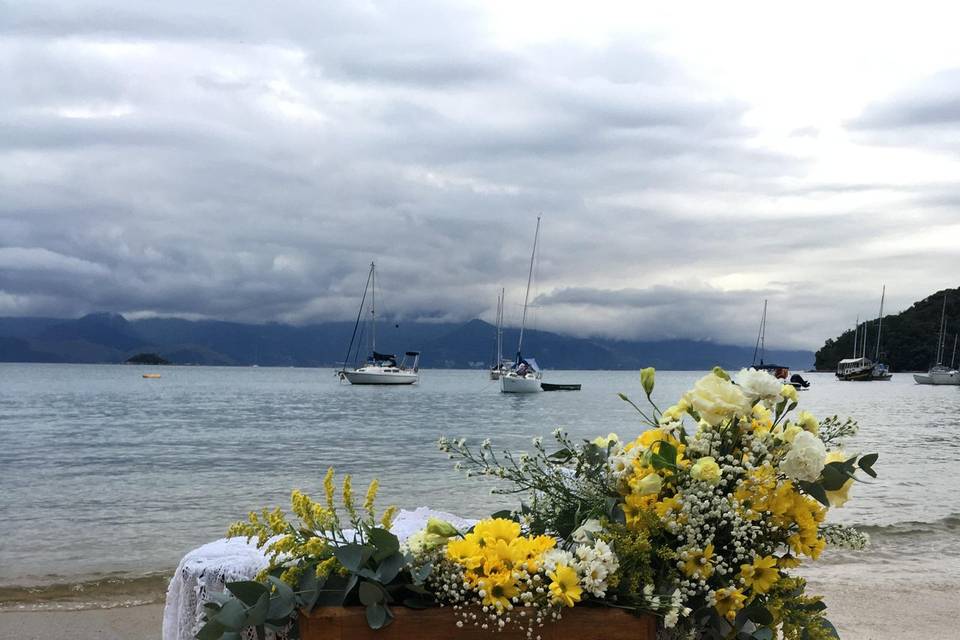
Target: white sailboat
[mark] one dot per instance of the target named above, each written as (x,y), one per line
(938,373)
(524,376)
(379,368)
(500,365)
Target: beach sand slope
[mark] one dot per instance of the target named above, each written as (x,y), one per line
(122,623)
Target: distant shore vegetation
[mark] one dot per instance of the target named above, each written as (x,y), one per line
(147,358)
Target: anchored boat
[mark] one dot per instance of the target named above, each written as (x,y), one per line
(860,368)
(379,368)
(779,371)
(524,376)
(939,374)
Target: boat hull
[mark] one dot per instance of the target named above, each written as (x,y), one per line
(381,378)
(518,384)
(938,378)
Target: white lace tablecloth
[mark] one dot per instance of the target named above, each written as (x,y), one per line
(207,568)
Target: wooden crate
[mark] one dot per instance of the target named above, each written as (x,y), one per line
(579,623)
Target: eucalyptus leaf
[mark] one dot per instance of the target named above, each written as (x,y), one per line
(348,589)
(833,477)
(371,593)
(385,542)
(763,634)
(350,556)
(816,491)
(389,568)
(257,614)
(376,616)
(247,591)
(232,616)
(308,587)
(211,631)
(282,588)
(759,614)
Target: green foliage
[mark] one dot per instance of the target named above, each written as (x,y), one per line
(909,340)
(316,562)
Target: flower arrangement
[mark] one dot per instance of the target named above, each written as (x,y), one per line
(699,521)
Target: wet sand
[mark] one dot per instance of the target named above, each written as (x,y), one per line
(861,612)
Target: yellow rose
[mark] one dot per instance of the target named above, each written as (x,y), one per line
(707,470)
(789,392)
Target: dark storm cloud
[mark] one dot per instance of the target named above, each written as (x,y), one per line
(248,161)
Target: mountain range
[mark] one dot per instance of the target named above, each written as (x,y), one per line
(908,339)
(111,338)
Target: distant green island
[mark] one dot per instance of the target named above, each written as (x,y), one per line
(147,358)
(909,339)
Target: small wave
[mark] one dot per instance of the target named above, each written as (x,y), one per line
(98,592)
(948,524)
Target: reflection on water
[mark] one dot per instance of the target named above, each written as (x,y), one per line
(104,471)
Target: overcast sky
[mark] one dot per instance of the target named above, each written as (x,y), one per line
(247,161)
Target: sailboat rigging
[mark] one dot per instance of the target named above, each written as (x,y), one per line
(500,365)
(860,368)
(525,375)
(379,368)
(779,371)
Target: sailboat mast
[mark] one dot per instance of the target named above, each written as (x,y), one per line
(373,307)
(954,355)
(856,336)
(526,297)
(500,306)
(863,352)
(359,317)
(880,323)
(760,335)
(941,338)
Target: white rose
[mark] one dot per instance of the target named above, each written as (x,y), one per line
(806,458)
(716,399)
(758,385)
(587,531)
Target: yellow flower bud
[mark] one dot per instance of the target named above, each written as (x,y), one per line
(650,484)
(789,392)
(647,379)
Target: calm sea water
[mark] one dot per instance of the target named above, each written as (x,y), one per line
(107,478)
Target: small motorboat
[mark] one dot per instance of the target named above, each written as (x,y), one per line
(151,376)
(798,382)
(547,386)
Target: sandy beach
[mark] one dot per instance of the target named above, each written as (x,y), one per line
(860,612)
(122,623)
